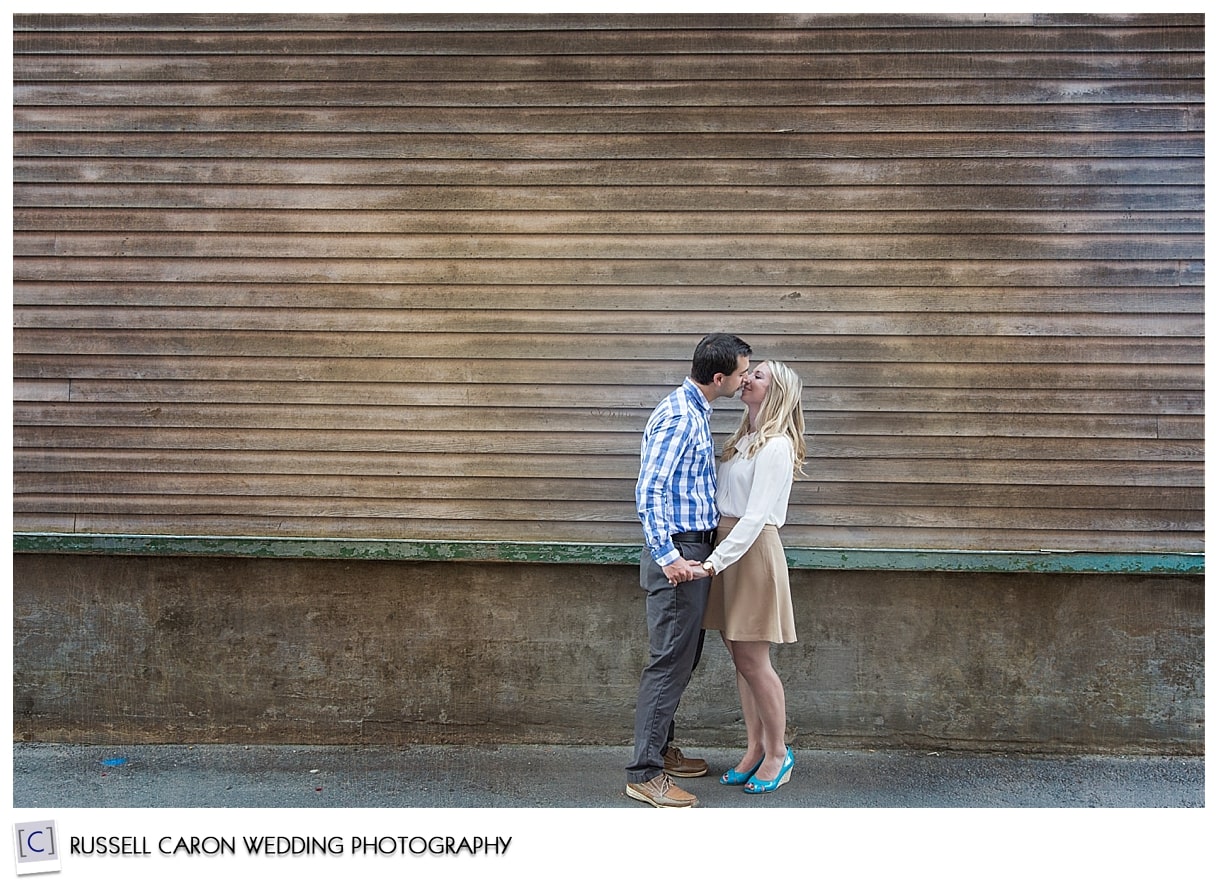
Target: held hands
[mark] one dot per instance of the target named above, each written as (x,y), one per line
(682,570)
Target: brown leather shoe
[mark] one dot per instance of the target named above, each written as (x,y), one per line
(661,792)
(679,765)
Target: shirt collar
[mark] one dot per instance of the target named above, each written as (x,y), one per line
(695,395)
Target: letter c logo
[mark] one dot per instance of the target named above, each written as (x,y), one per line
(29,842)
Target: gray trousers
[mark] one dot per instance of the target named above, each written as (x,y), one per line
(675,635)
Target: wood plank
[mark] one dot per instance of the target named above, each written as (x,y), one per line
(41,390)
(383,448)
(791,172)
(1007,517)
(719,93)
(545,511)
(450,453)
(622,198)
(264,474)
(794,536)
(1172,426)
(435,467)
(811,494)
(896,346)
(1119,300)
(665,369)
(514,120)
(389,222)
(990,539)
(664,146)
(494,415)
(391,528)
(490,390)
(141,435)
(351,453)
(667,41)
(1136,325)
(390,393)
(634,246)
(978,423)
(251,473)
(455,454)
(39,522)
(848,520)
(454,422)
(755,68)
(494,491)
(456,22)
(593,272)
(822,401)
(971,439)
(896,469)
(963,448)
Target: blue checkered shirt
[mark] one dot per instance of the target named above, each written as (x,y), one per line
(675,492)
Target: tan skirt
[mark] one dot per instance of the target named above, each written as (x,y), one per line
(751,599)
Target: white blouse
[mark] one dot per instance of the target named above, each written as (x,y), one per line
(754,490)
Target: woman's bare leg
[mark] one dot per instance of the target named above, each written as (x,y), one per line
(755,748)
(752,660)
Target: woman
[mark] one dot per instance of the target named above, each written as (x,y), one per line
(750,597)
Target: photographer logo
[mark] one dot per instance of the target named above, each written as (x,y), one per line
(36,847)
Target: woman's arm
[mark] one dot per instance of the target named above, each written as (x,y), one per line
(772,477)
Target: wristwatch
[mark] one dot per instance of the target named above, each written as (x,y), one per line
(706,565)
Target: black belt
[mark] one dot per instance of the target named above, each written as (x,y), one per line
(703,536)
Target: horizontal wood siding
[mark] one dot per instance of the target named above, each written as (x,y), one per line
(424,277)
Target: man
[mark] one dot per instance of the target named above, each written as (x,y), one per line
(675,495)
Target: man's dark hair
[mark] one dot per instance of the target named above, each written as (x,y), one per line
(717,354)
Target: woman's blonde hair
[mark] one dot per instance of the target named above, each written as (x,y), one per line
(781,414)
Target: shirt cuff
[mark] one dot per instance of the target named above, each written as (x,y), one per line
(667,557)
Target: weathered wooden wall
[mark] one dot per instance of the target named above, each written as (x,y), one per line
(424,276)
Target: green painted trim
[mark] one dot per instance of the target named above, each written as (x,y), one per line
(908,559)
(911,559)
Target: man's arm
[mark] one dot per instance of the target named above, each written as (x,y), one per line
(662,449)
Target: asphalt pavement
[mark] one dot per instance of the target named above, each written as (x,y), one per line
(515,776)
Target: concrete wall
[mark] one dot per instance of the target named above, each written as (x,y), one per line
(123,649)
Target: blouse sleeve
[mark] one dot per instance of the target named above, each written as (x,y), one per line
(772,475)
